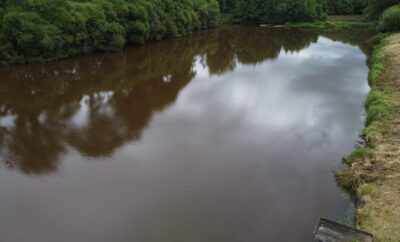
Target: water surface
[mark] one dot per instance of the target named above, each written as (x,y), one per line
(227,135)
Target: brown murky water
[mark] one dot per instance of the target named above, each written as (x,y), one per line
(228,135)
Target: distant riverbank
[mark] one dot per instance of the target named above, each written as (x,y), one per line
(336,23)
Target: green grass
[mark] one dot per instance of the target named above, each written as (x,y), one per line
(327,25)
(315,25)
(372,174)
(359,154)
(347,179)
(226,18)
(353,18)
(377,39)
(377,106)
(379,102)
(335,22)
(366,189)
(377,59)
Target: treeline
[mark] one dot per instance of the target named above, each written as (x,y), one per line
(274,11)
(289,10)
(373,9)
(282,11)
(345,7)
(43,30)
(279,11)
(376,8)
(387,12)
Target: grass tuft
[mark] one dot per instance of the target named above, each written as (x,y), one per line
(348,179)
(359,154)
(366,189)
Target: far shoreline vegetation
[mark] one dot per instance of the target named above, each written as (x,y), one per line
(46,30)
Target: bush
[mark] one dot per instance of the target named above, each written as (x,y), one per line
(390,20)
(377,7)
(25,35)
(42,30)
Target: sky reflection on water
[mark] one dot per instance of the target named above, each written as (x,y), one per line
(228,135)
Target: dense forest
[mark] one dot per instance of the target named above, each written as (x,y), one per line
(345,6)
(42,30)
(290,10)
(282,11)
(51,29)
(278,11)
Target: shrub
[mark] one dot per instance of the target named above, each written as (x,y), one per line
(377,39)
(27,34)
(377,7)
(43,30)
(390,20)
(283,11)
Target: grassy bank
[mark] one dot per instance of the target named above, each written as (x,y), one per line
(374,170)
(335,23)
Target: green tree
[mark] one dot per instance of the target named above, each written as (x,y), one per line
(227,6)
(274,11)
(29,37)
(42,30)
(390,20)
(344,7)
(377,7)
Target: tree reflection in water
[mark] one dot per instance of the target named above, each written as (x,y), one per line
(97,103)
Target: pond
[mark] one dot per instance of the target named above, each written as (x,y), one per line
(230,134)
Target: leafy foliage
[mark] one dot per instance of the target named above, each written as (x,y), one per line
(227,6)
(390,20)
(43,30)
(377,7)
(344,7)
(274,11)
